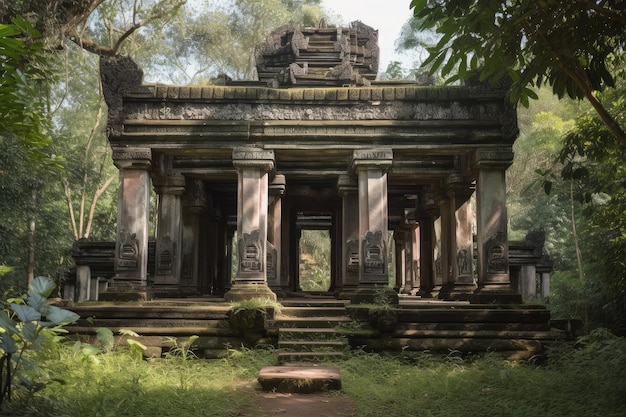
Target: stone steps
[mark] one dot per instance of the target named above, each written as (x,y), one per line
(307,332)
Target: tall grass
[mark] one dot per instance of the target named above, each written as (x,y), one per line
(588,379)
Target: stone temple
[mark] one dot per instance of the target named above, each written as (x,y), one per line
(316,143)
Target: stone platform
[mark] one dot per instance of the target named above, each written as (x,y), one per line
(299,379)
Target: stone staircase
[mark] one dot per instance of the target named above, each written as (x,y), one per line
(307,331)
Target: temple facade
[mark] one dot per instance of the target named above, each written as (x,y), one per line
(377,164)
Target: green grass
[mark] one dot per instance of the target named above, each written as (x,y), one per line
(589,380)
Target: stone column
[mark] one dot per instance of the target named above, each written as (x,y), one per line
(348,190)
(371,167)
(401,279)
(250,281)
(443,231)
(411,253)
(545,286)
(274,233)
(460,285)
(494,283)
(133,209)
(194,205)
(527,282)
(169,233)
(425,216)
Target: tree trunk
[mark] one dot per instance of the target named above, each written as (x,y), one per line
(31,237)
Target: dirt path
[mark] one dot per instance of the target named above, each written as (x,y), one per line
(304,405)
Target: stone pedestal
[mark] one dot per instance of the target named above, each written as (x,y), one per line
(371,167)
(494,283)
(131,245)
(250,280)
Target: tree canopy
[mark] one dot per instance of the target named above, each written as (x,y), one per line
(576,47)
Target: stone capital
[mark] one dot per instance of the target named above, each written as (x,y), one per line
(498,158)
(261,159)
(347,184)
(132,158)
(171,184)
(278,185)
(379,158)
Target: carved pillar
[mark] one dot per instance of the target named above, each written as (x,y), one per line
(274,233)
(411,252)
(194,205)
(168,255)
(131,245)
(545,286)
(494,283)
(371,167)
(250,281)
(399,242)
(348,190)
(425,214)
(460,285)
(444,231)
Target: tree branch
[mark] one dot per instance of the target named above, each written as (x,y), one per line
(95,199)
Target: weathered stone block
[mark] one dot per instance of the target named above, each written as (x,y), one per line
(389,93)
(299,379)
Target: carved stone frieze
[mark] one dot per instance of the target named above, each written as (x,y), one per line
(391,110)
(119,76)
(374,253)
(128,251)
(497,254)
(250,257)
(165,252)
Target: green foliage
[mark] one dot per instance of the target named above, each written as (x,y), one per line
(182,350)
(533,43)
(314,260)
(27,326)
(23,72)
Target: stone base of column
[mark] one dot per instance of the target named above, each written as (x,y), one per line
(346,292)
(434,292)
(280,292)
(240,292)
(457,291)
(495,294)
(423,292)
(366,294)
(126,291)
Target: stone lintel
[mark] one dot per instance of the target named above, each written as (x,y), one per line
(493,158)
(132,158)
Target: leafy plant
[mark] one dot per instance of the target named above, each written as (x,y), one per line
(26,326)
(182,350)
